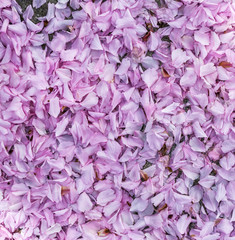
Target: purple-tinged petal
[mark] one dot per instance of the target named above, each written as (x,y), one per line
(54,108)
(220,193)
(178,23)
(183,223)
(198,131)
(207,69)
(231,190)
(138,205)
(18,28)
(197,145)
(105,196)
(19,189)
(7,55)
(225,226)
(209,201)
(38,3)
(84,203)
(53,229)
(216,108)
(39,126)
(154,221)
(112,207)
(189,78)
(123,67)
(68,55)
(5,3)
(108,73)
(202,37)
(207,182)
(61,126)
(228,146)
(96,44)
(126,21)
(179,57)
(228,161)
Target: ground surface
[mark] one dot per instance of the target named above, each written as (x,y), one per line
(40,12)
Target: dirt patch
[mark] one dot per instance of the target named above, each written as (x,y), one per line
(38,12)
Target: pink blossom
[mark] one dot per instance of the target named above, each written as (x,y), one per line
(117,120)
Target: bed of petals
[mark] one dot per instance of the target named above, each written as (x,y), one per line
(117,120)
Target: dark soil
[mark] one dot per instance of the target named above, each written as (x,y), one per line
(40,12)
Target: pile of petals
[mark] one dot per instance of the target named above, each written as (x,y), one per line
(117,120)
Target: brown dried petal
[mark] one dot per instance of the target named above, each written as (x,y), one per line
(145,37)
(162,208)
(225,64)
(217,221)
(103,232)
(165,73)
(144,176)
(64,190)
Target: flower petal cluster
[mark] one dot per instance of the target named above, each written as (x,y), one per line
(117,120)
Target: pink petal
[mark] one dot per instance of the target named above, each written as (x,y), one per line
(207,69)
(19,189)
(215,41)
(149,77)
(123,67)
(61,126)
(154,221)
(158,199)
(199,133)
(228,161)
(53,229)
(207,182)
(112,207)
(54,108)
(214,236)
(7,55)
(171,108)
(134,173)
(178,23)
(3,231)
(179,57)
(182,223)
(84,29)
(197,145)
(153,41)
(220,193)
(225,226)
(96,44)
(189,78)
(58,43)
(38,3)
(228,146)
(105,196)
(138,205)
(188,42)
(196,193)
(108,73)
(227,37)
(50,12)
(126,21)
(209,201)
(231,190)
(18,28)
(216,108)
(5,3)
(190,172)
(68,55)
(154,140)
(84,203)
(202,37)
